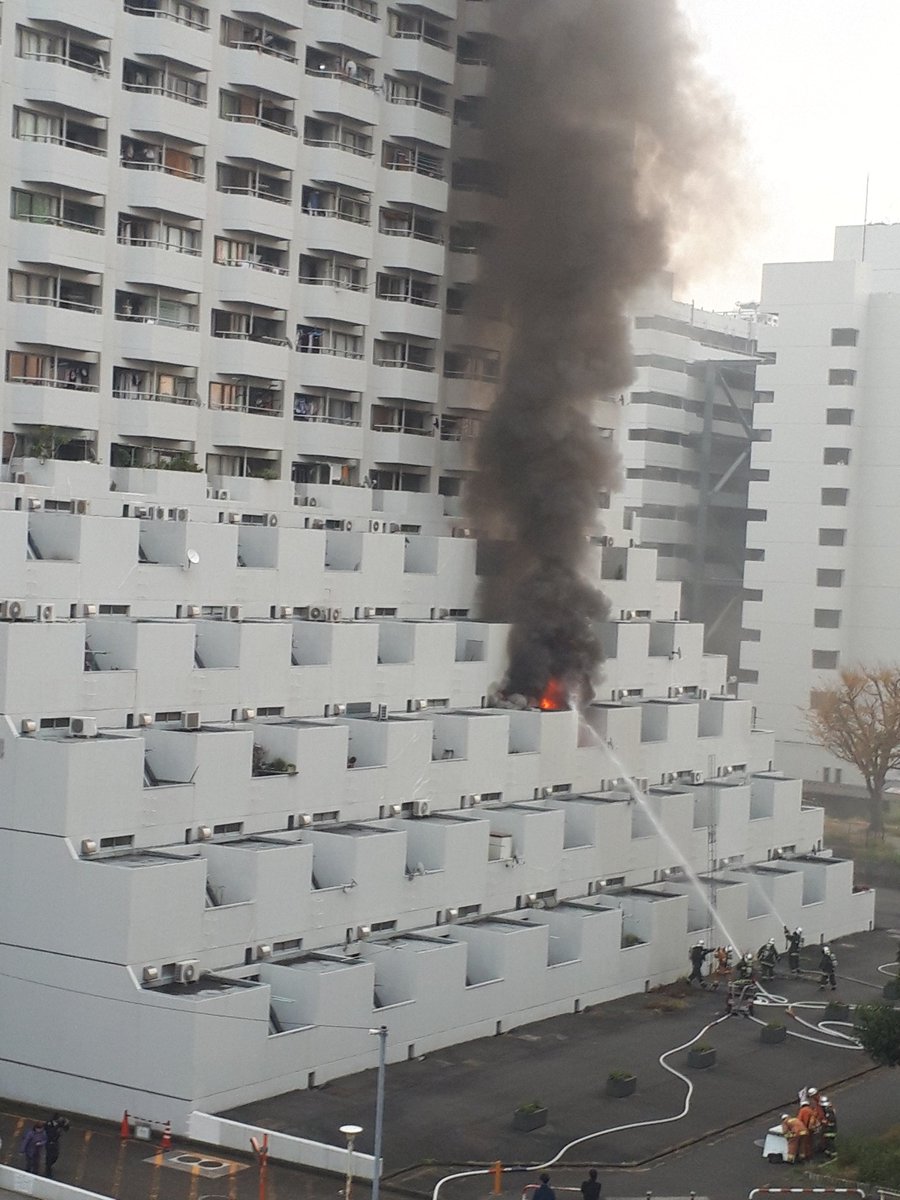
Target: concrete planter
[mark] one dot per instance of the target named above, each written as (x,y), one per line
(891,990)
(772,1035)
(835,1011)
(527,1119)
(701,1059)
(619,1086)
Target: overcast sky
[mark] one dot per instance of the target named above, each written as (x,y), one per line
(817,86)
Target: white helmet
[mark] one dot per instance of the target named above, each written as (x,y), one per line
(771,942)
(826,949)
(812,1091)
(785,1116)
(824,1100)
(701,942)
(799,929)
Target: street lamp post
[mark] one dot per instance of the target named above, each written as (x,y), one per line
(350,1132)
(381,1034)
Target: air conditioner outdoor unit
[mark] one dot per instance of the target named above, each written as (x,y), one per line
(419,705)
(193,610)
(222,494)
(203,834)
(606,540)
(183,514)
(703,694)
(11,610)
(82,506)
(376,526)
(21,477)
(248,714)
(317,614)
(187,971)
(46,612)
(336,614)
(190,720)
(394,810)
(28,726)
(395,528)
(273,519)
(470,801)
(88,846)
(382,712)
(421,808)
(145,720)
(642,784)
(285,612)
(138,510)
(233,612)
(338,710)
(264,950)
(35,503)
(89,610)
(150,974)
(304,820)
(500,847)
(362,932)
(83,727)
(369,612)
(697,777)
(233,518)
(450,914)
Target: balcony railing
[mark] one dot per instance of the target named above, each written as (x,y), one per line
(413,429)
(136,164)
(182,14)
(320,281)
(158,244)
(419,36)
(414,102)
(336,212)
(160,397)
(55,139)
(347,6)
(261,47)
(421,166)
(66,60)
(255,409)
(154,319)
(358,80)
(335,351)
(52,381)
(334,144)
(246,119)
(54,302)
(349,422)
(241,336)
(252,265)
(163,89)
(402,362)
(393,231)
(61,222)
(420,300)
(259,193)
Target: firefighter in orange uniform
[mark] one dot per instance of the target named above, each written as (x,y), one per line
(793,1129)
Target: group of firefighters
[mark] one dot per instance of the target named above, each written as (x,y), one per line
(813,1130)
(728,970)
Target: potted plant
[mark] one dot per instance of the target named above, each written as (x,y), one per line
(701,1056)
(530,1115)
(891,990)
(773,1033)
(836,1010)
(620,1083)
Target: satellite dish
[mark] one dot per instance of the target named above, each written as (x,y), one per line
(193,558)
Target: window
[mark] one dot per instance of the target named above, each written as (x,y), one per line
(827,618)
(835,496)
(229,827)
(839,416)
(323,817)
(122,839)
(841,376)
(762,435)
(748,676)
(832,537)
(54,722)
(825,660)
(765,397)
(836,456)
(751,635)
(829,578)
(753,594)
(844,337)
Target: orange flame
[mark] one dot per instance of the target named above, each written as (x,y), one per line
(555,697)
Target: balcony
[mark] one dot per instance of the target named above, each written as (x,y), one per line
(419,122)
(326,368)
(49,401)
(410,447)
(402,381)
(417,319)
(331,301)
(151,415)
(339,161)
(234,427)
(239,354)
(153,185)
(319,436)
(423,186)
(456,453)
(325,228)
(253,66)
(259,140)
(459,392)
(150,339)
(158,110)
(417,55)
(334,92)
(344,23)
(66,82)
(50,161)
(171,29)
(159,263)
(404,249)
(97,18)
(256,208)
(246,282)
(41,322)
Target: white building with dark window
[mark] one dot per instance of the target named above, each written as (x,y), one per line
(822,566)
(251,784)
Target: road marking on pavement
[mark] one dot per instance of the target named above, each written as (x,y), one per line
(82,1156)
(120,1167)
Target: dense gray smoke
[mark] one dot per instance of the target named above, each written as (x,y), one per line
(602,133)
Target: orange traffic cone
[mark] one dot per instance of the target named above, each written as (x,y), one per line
(125,1127)
(166,1142)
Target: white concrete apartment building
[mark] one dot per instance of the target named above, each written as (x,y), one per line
(822,568)
(251,787)
(687,453)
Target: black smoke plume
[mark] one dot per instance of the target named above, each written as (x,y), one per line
(602,134)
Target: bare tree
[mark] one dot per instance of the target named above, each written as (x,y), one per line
(858,721)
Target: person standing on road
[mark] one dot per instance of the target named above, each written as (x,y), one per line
(827,964)
(794,946)
(697,956)
(32,1146)
(792,1128)
(767,957)
(592,1187)
(544,1191)
(829,1127)
(55,1127)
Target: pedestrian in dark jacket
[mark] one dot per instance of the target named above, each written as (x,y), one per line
(827,964)
(545,1191)
(592,1187)
(56,1126)
(32,1146)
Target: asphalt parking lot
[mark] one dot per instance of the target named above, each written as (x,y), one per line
(454,1108)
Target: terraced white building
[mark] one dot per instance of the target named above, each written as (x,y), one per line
(252,792)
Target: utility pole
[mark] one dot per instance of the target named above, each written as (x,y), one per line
(381,1034)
